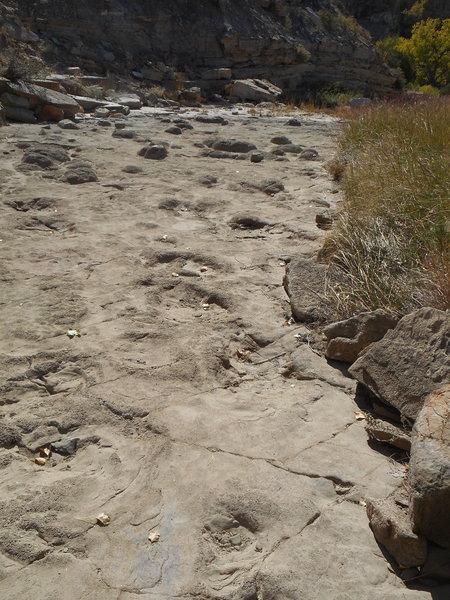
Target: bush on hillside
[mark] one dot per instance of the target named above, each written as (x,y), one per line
(428,51)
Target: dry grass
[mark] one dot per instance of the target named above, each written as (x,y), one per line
(391,242)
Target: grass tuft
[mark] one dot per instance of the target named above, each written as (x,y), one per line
(390,244)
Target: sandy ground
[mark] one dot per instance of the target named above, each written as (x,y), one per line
(223,477)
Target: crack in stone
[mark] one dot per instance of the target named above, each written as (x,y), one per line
(270,461)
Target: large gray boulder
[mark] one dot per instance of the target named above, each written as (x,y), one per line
(347,338)
(409,362)
(430,468)
(38,95)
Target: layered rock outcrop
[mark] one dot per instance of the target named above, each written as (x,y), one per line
(286,41)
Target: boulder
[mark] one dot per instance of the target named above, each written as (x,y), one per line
(429,474)
(409,362)
(347,338)
(391,528)
(257,90)
(38,95)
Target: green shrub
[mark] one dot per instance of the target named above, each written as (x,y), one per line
(428,50)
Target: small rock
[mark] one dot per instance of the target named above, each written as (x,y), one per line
(309,154)
(280,139)
(174,130)
(154,536)
(211,119)
(208,180)
(120,125)
(103,519)
(104,123)
(66,447)
(256,157)
(248,221)
(231,145)
(68,124)
(153,152)
(182,124)
(132,169)
(324,220)
(127,134)
(290,148)
(102,112)
(79,173)
(235,540)
(294,122)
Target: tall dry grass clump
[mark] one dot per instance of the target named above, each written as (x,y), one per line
(390,245)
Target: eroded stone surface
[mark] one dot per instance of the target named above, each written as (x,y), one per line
(195,405)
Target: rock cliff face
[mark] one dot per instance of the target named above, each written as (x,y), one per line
(253,38)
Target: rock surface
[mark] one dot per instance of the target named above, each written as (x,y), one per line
(224,450)
(430,468)
(347,338)
(409,362)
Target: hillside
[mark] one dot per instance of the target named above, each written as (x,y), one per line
(289,42)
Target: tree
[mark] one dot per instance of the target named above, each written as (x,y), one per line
(428,50)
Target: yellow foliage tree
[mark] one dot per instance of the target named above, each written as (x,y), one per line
(428,50)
